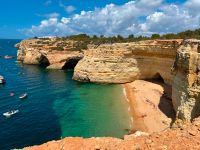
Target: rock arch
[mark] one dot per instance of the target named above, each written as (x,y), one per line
(70,64)
(44,62)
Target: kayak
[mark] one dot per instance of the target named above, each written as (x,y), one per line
(10,113)
(25,95)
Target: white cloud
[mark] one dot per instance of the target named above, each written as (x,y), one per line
(50,15)
(171,19)
(149,3)
(134,17)
(193,6)
(65,20)
(68,9)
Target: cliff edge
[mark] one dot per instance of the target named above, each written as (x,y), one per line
(126,62)
(186,80)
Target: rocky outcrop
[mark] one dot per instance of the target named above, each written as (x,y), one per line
(60,60)
(126,62)
(189,134)
(186,80)
(51,53)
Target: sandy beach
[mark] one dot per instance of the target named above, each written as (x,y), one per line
(150,105)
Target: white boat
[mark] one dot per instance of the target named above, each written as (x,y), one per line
(10,113)
(2,80)
(8,57)
(23,96)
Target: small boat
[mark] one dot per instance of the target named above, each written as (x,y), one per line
(2,80)
(23,96)
(8,57)
(10,113)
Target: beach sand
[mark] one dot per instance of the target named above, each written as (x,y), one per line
(150,105)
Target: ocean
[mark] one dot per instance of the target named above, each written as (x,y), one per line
(57,106)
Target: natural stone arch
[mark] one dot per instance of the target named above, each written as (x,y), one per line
(44,62)
(70,63)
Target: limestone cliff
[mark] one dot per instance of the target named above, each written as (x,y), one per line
(126,62)
(54,53)
(186,80)
(177,62)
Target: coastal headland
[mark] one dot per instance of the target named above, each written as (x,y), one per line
(161,81)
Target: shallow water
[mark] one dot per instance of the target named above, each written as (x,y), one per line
(57,106)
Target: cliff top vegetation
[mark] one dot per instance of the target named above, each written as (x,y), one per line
(83,40)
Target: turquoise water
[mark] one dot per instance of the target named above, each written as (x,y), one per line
(57,106)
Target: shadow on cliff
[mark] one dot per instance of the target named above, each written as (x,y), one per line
(196,109)
(165,104)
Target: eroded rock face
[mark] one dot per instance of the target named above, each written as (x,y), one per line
(190,134)
(186,80)
(126,62)
(34,57)
(58,60)
(46,52)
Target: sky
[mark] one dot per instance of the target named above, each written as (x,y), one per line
(28,18)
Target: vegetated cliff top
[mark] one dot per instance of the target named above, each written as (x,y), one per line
(84,41)
(52,44)
(131,38)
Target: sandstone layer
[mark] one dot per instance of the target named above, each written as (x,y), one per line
(51,53)
(183,138)
(186,80)
(126,62)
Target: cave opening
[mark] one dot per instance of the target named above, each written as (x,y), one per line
(44,62)
(157,77)
(70,64)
